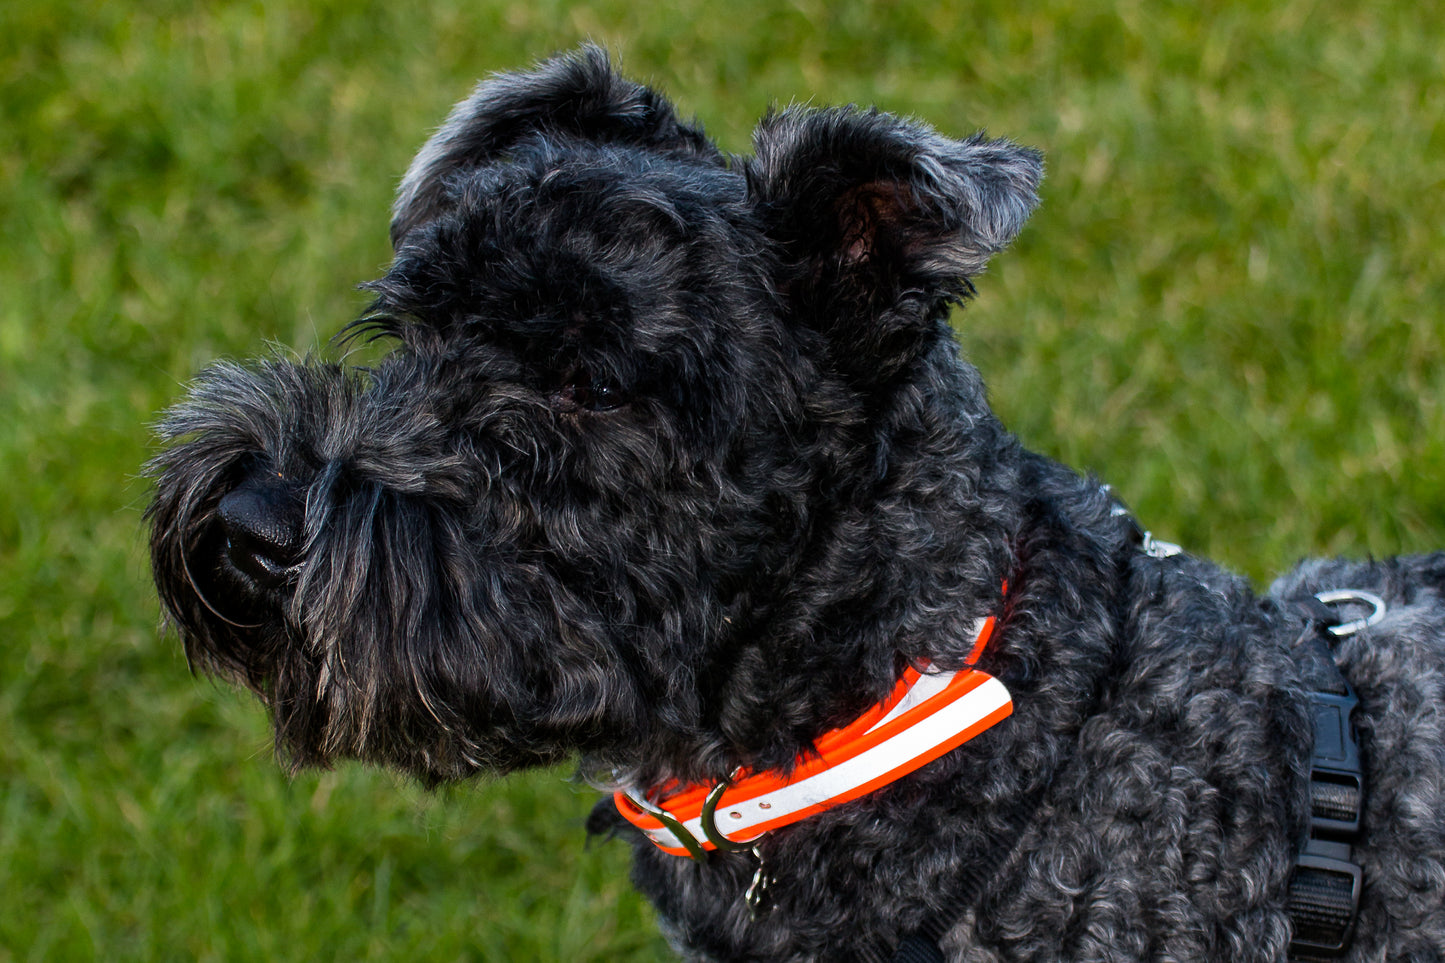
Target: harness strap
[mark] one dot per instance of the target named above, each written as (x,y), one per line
(1324,892)
(1323,899)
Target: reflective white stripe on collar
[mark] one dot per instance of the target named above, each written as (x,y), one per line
(927,715)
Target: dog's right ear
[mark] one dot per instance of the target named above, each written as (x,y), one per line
(575,95)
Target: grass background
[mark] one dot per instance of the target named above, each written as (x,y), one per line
(1229,305)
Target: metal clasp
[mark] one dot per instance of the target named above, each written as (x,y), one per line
(1158,548)
(757,893)
(1148,544)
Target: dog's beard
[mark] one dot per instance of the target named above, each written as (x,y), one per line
(392,639)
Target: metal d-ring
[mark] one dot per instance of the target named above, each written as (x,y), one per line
(1353,595)
(709,827)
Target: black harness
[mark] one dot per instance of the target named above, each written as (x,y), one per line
(1324,891)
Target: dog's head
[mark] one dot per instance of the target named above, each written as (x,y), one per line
(631,455)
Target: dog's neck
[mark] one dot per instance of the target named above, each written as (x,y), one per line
(890,569)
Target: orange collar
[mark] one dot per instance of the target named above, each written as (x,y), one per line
(926,715)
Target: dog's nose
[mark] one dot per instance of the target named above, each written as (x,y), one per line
(263,522)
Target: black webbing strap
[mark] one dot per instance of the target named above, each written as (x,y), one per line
(1323,901)
(1324,891)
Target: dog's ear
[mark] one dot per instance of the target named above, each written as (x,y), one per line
(879,218)
(575,95)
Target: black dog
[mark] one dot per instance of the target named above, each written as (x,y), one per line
(675,467)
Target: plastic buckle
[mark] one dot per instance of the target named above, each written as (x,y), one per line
(1324,891)
(1336,777)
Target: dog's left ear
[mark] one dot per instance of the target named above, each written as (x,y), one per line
(880,217)
(573,96)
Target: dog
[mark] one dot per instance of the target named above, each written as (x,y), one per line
(675,469)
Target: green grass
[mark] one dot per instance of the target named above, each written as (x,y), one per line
(1229,306)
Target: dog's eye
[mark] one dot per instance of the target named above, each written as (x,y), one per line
(581,392)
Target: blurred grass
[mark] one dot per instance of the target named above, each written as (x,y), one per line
(1229,305)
